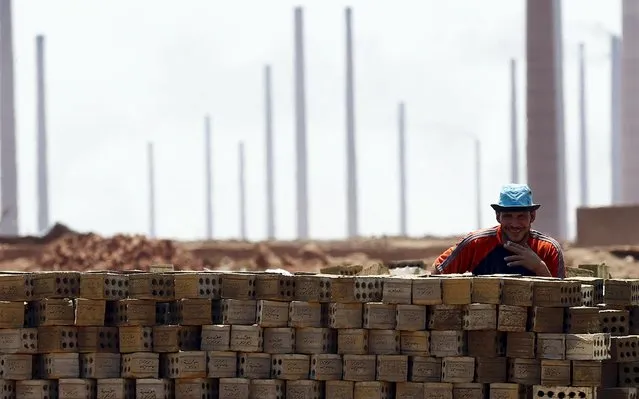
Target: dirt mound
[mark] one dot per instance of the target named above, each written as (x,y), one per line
(57,231)
(120,252)
(62,248)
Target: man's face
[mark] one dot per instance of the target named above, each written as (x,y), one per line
(515,225)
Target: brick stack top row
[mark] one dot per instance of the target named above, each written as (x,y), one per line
(451,289)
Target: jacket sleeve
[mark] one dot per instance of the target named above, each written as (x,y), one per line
(554,260)
(441,259)
(455,258)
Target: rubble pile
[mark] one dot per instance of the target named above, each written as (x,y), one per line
(120,252)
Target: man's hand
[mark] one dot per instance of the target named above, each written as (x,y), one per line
(526,257)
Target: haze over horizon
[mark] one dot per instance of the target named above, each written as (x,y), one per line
(119,74)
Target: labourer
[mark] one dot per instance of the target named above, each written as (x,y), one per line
(512,247)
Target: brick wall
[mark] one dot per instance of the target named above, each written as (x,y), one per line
(612,225)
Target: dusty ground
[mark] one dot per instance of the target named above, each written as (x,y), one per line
(65,249)
(623,261)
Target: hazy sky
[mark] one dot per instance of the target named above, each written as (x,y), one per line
(120,73)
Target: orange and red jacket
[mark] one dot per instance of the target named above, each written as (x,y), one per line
(482,252)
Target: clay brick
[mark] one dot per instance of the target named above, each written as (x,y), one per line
(615,321)
(587,346)
(221,364)
(392,368)
(397,290)
(587,373)
(304,389)
(448,343)
(486,343)
(274,287)
(491,369)
(345,315)
(312,340)
(546,320)
(260,389)
(216,338)
(551,346)
(427,291)
(512,318)
(445,317)
(272,313)
(104,286)
(352,341)
(239,286)
(458,369)
(326,367)
(414,343)
(373,389)
(411,317)
(555,372)
(379,315)
(279,340)
(563,391)
(487,290)
(517,292)
(384,342)
(556,293)
(230,388)
(197,285)
(339,389)
(469,390)
(524,371)
(359,367)
(583,320)
(456,290)
(424,369)
(437,390)
(521,345)
(479,317)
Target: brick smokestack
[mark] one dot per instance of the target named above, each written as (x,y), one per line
(401,125)
(615,118)
(583,130)
(514,134)
(351,153)
(42,163)
(300,129)
(208,173)
(546,142)
(151,176)
(270,175)
(8,152)
(242,189)
(629,139)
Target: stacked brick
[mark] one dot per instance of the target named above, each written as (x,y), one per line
(260,335)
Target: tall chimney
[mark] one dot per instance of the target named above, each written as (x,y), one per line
(242,190)
(583,138)
(514,139)
(478,203)
(351,153)
(209,178)
(401,119)
(270,176)
(151,171)
(300,129)
(629,139)
(43,180)
(615,118)
(8,163)
(544,108)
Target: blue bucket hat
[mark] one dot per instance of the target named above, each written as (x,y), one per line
(515,198)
